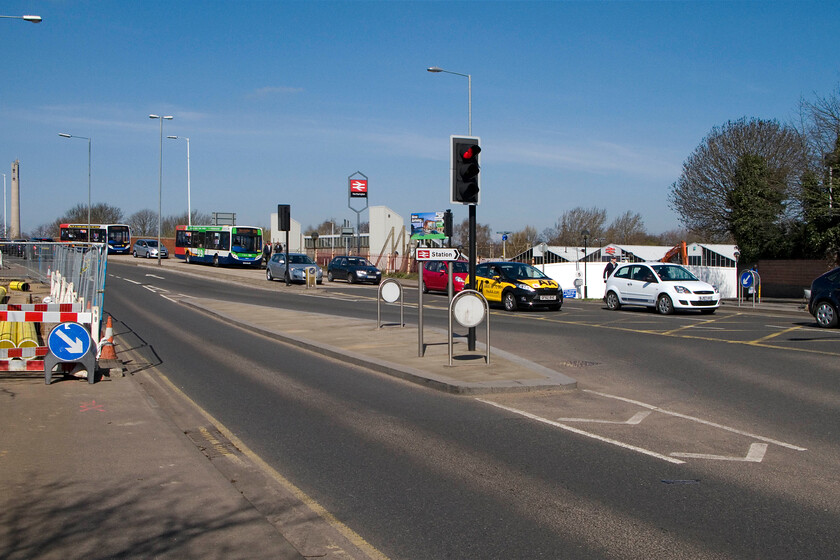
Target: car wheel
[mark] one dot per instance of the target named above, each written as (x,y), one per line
(509,301)
(268,275)
(135,254)
(425,288)
(330,276)
(148,255)
(350,278)
(826,315)
(215,260)
(664,305)
(613,302)
(187,258)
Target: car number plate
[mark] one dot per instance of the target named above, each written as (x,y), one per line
(548,298)
(706,298)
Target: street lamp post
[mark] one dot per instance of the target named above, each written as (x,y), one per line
(436,70)
(160,178)
(189,209)
(585,234)
(65,135)
(472,261)
(32,19)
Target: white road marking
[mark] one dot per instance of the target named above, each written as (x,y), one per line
(754,455)
(635,419)
(587,434)
(699,420)
(155,276)
(132,281)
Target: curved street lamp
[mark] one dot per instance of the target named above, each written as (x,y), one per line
(32,19)
(160,177)
(435,69)
(65,135)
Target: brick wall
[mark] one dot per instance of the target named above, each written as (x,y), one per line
(788,278)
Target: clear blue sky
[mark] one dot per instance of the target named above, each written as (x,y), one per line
(593,104)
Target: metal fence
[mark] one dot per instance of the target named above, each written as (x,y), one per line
(75,274)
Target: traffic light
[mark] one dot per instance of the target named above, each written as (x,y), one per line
(284,217)
(447,224)
(465,169)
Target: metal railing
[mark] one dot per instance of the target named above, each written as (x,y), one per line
(76,273)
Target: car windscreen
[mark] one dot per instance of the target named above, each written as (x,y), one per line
(300,259)
(519,271)
(460,266)
(673,273)
(358,262)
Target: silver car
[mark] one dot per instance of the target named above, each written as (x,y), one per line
(298,263)
(148,248)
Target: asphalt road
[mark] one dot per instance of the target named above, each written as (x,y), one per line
(690,436)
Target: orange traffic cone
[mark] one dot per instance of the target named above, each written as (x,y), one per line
(107,350)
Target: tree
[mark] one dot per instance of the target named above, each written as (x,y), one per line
(756,203)
(484,244)
(520,241)
(143,223)
(100,213)
(820,123)
(568,229)
(701,194)
(627,229)
(821,207)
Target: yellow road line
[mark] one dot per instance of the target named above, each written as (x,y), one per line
(758,342)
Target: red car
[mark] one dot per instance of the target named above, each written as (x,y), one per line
(436,279)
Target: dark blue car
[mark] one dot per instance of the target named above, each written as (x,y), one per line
(825,298)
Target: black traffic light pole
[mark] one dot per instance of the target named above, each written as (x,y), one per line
(471,332)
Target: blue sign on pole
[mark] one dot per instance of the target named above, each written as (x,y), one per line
(69,342)
(747,278)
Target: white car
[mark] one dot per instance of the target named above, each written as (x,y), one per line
(661,286)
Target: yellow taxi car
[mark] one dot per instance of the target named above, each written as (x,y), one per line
(516,285)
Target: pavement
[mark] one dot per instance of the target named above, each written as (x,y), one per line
(129,467)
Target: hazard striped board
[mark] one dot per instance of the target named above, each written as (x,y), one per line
(31,352)
(46,317)
(18,365)
(60,307)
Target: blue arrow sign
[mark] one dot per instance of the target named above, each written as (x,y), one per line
(68,342)
(746,278)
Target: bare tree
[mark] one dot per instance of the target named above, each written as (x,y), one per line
(569,228)
(484,244)
(628,229)
(520,241)
(701,193)
(820,123)
(143,223)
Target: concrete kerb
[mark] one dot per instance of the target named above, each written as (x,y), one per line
(552,379)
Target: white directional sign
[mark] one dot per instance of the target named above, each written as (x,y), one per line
(69,342)
(437,254)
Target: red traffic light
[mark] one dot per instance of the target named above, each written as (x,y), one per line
(471,152)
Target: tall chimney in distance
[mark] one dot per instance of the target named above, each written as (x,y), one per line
(14,228)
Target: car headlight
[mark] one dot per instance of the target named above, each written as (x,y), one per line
(459,280)
(525,287)
(360,273)
(682,290)
(716,289)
